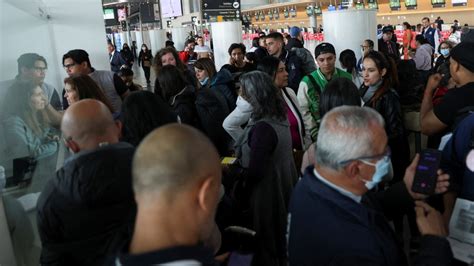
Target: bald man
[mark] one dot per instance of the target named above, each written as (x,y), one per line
(176,180)
(86,212)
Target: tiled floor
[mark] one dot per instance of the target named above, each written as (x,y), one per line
(139,77)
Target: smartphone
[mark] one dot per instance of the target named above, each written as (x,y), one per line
(425,175)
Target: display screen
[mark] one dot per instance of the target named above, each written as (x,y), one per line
(459,2)
(372,4)
(109,13)
(317,10)
(410,3)
(122,14)
(171,8)
(394,3)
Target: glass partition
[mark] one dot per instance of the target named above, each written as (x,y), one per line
(35,35)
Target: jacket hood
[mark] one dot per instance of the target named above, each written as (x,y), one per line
(187,94)
(222,77)
(101,175)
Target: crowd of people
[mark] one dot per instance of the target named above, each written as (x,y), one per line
(277,158)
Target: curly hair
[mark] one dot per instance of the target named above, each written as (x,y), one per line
(258,89)
(167,50)
(234,46)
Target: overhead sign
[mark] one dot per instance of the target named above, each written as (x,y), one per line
(459,2)
(222,10)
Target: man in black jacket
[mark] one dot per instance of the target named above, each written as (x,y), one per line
(276,48)
(335,219)
(176,180)
(86,211)
(386,44)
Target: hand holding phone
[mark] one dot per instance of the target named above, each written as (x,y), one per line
(426,175)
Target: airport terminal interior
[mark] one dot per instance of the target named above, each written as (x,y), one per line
(236,132)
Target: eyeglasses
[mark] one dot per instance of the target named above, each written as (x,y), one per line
(68,66)
(386,155)
(40,69)
(363,46)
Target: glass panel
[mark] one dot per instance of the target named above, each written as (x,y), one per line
(35,35)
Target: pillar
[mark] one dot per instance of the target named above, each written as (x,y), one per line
(179,37)
(223,34)
(347,29)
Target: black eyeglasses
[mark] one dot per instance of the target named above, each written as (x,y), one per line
(68,66)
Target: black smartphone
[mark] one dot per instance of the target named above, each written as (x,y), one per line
(425,175)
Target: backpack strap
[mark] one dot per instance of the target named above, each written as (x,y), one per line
(315,84)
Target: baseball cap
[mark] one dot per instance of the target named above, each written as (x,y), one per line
(462,53)
(324,48)
(387,29)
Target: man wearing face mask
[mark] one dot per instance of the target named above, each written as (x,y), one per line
(335,218)
(458,101)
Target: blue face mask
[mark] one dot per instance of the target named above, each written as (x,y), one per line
(204,81)
(383,171)
(444,52)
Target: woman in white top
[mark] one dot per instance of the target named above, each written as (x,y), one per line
(455,35)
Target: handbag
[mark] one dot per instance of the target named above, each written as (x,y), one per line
(146,63)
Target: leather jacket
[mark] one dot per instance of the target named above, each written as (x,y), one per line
(388,105)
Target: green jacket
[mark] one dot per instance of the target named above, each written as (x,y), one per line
(309,97)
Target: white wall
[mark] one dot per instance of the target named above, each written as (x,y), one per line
(78,24)
(21,33)
(347,29)
(73,24)
(223,35)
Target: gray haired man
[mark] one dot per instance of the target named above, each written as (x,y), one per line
(335,219)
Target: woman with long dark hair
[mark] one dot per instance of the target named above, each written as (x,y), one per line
(28,130)
(265,150)
(378,92)
(127,55)
(276,69)
(79,87)
(178,94)
(142,112)
(145,59)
